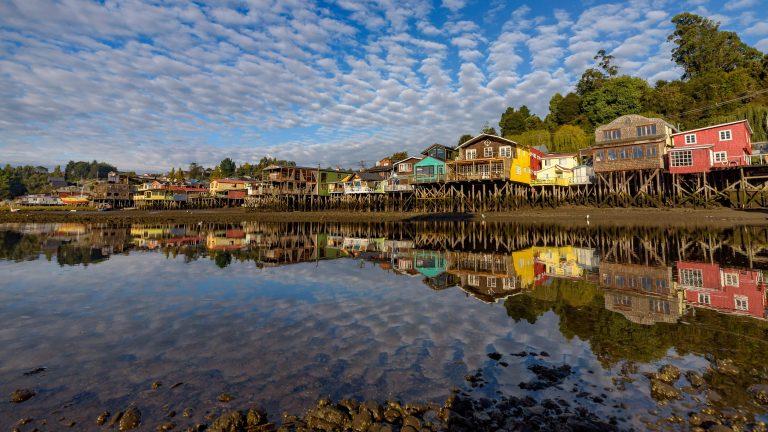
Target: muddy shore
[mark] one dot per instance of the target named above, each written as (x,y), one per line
(562,216)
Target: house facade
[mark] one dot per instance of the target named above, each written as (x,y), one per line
(556,169)
(439,151)
(631,142)
(725,289)
(711,147)
(405,168)
(490,157)
(429,170)
(643,294)
(362,183)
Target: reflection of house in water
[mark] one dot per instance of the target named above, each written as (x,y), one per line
(226,239)
(433,265)
(566,261)
(488,277)
(154,236)
(724,289)
(643,294)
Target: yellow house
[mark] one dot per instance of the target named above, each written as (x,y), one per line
(523,261)
(225,185)
(557,169)
(520,166)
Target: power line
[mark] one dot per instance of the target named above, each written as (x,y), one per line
(718,104)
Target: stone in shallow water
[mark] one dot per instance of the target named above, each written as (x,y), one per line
(224,397)
(759,392)
(102,418)
(131,419)
(695,378)
(21,395)
(668,374)
(663,391)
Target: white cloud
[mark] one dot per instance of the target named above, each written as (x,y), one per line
(739,4)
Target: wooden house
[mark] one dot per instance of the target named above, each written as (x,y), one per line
(488,277)
(402,172)
(329,181)
(109,191)
(631,142)
(441,152)
(289,180)
(726,289)
(221,188)
(643,294)
(556,169)
(718,146)
(490,157)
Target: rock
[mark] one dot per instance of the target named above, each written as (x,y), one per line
(188,412)
(131,419)
(224,397)
(663,391)
(362,420)
(702,419)
(726,367)
(156,384)
(412,422)
(391,415)
(759,392)
(668,374)
(229,422)
(21,395)
(494,356)
(255,417)
(166,426)
(327,418)
(102,418)
(171,414)
(719,428)
(694,378)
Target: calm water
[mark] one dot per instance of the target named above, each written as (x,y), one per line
(285,314)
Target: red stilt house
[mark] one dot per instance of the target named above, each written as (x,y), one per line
(711,147)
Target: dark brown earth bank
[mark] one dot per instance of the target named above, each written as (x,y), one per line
(720,217)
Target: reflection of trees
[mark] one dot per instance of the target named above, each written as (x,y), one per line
(71,254)
(222,259)
(16,246)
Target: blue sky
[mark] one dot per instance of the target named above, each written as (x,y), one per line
(148,85)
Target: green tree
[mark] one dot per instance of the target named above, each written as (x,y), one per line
(57,172)
(196,172)
(617,97)
(591,80)
(532,138)
(488,129)
(702,47)
(569,138)
(398,156)
(227,168)
(604,61)
(513,122)
(464,138)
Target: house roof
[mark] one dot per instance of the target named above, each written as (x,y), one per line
(418,158)
(542,148)
(436,145)
(369,176)
(232,181)
(715,126)
(558,155)
(381,168)
(486,136)
(692,147)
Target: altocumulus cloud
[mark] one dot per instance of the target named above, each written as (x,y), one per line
(149,86)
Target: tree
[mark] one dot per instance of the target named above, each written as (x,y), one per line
(617,97)
(57,172)
(532,138)
(464,138)
(488,129)
(702,47)
(591,80)
(513,122)
(227,168)
(604,61)
(216,173)
(569,138)
(398,156)
(172,175)
(195,172)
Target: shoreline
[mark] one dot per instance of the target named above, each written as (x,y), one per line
(568,216)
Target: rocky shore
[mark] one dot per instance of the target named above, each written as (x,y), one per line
(686,400)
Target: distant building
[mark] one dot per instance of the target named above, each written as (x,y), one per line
(57,182)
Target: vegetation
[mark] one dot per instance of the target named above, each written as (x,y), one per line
(76,171)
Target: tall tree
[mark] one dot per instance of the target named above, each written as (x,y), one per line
(464,138)
(617,97)
(488,129)
(513,122)
(227,167)
(569,138)
(702,47)
(604,61)
(196,172)
(398,156)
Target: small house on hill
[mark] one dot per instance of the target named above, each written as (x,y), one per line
(490,157)
(707,148)
(432,168)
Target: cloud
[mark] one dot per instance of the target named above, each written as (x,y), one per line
(739,4)
(152,85)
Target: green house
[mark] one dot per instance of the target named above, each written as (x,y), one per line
(429,170)
(329,181)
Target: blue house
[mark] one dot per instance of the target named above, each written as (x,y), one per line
(432,168)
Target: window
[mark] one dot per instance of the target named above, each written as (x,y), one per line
(517,169)
(624,153)
(691,278)
(612,134)
(490,282)
(690,139)
(470,153)
(646,130)
(681,158)
(725,135)
(508,283)
(721,157)
(612,155)
(488,152)
(599,155)
(505,151)
(405,167)
(704,298)
(659,306)
(622,300)
(618,280)
(473,280)
(637,152)
(741,303)
(651,151)
(731,279)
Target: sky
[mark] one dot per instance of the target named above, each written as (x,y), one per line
(150,85)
